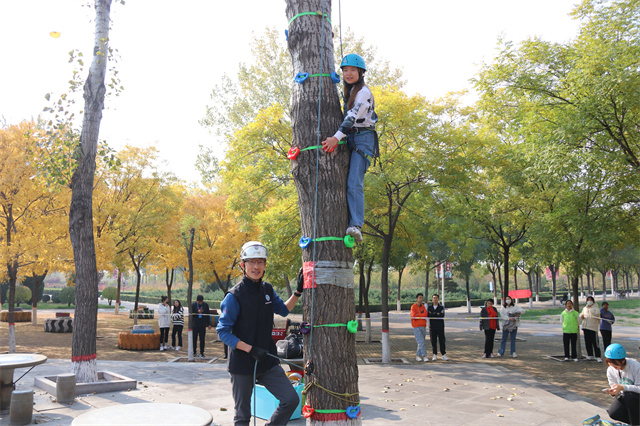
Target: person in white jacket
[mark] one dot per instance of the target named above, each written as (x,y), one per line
(623,375)
(590,317)
(164,321)
(510,314)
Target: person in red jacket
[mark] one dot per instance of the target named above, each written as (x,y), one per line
(489,323)
(419,311)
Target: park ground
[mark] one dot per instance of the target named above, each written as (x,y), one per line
(540,337)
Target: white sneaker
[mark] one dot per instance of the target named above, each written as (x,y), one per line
(499,355)
(566,359)
(514,355)
(169,347)
(418,358)
(354,231)
(599,359)
(177,348)
(575,360)
(589,357)
(435,357)
(426,359)
(161,348)
(444,357)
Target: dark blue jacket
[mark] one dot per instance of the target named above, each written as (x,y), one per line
(247,315)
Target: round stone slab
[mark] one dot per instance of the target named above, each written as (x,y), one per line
(21,360)
(151,413)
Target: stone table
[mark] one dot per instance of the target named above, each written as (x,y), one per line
(8,363)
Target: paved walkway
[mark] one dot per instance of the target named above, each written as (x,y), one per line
(435,393)
(414,394)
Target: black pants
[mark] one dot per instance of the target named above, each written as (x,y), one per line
(591,342)
(573,339)
(177,329)
(435,335)
(276,383)
(489,335)
(626,408)
(199,332)
(606,338)
(164,335)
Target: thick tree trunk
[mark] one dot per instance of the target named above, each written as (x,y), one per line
(426,282)
(505,252)
(83,352)
(399,297)
(138,280)
(500,282)
(321,185)
(553,270)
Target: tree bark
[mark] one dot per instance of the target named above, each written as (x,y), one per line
(37,282)
(188,245)
(320,181)
(83,352)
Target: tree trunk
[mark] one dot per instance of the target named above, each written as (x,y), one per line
(500,281)
(118,292)
(83,347)
(37,282)
(399,287)
(426,282)
(515,278)
(576,306)
(188,245)
(12,269)
(367,311)
(553,270)
(505,251)
(169,283)
(466,282)
(320,181)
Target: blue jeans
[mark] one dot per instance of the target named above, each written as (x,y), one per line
(357,168)
(421,335)
(503,343)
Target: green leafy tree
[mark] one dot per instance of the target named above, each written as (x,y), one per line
(110,294)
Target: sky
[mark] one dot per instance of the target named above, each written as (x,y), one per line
(172,54)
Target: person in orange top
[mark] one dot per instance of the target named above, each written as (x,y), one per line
(418,311)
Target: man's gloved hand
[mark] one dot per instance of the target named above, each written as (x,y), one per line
(300,288)
(258,353)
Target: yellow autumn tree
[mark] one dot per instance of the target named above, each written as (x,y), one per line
(27,206)
(219,237)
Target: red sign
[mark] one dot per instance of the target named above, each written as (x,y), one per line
(519,294)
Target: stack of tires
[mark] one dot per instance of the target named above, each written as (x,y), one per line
(58,325)
(141,338)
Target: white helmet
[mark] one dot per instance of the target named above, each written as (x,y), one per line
(253,250)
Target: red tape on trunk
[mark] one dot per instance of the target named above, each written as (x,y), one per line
(81,358)
(309,275)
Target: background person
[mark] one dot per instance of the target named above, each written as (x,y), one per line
(570,327)
(418,311)
(489,325)
(510,314)
(177,318)
(435,312)
(164,321)
(245,325)
(623,375)
(201,322)
(590,324)
(606,320)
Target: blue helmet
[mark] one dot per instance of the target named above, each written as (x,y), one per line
(615,351)
(353,60)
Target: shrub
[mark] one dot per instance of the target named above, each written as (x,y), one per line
(23,294)
(68,295)
(110,293)
(46,298)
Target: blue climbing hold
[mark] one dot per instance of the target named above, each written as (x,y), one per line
(286,34)
(304,242)
(301,77)
(335,77)
(353,412)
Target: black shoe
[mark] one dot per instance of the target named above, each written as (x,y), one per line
(201,355)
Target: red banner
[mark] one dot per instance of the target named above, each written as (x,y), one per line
(519,294)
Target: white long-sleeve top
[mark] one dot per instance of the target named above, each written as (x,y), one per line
(164,316)
(511,312)
(362,114)
(629,377)
(590,316)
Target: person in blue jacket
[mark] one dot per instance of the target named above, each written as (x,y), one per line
(606,319)
(245,325)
